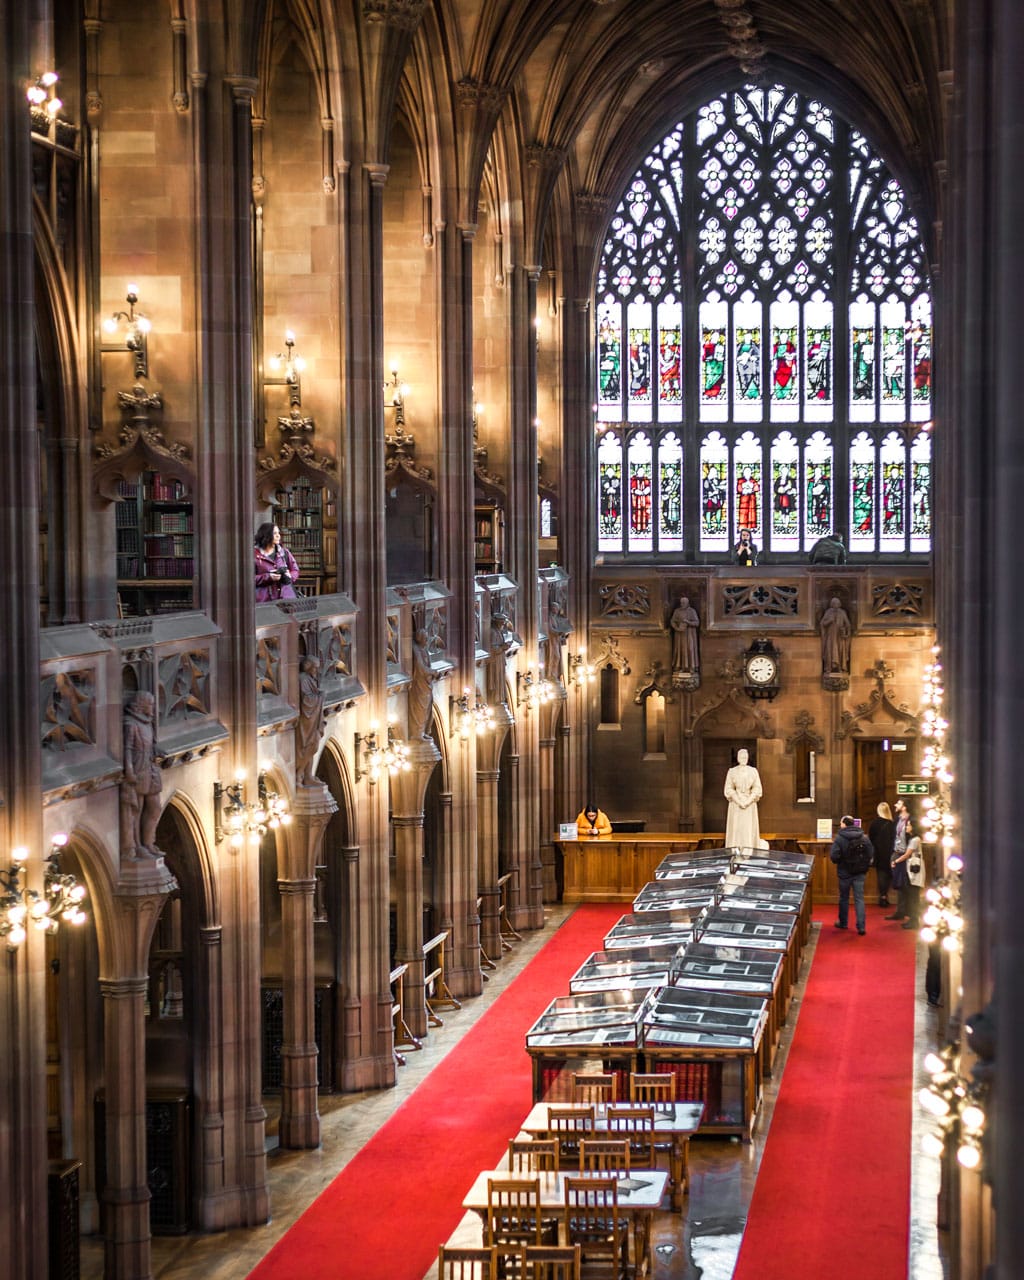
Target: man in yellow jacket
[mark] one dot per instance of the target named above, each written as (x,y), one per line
(593,822)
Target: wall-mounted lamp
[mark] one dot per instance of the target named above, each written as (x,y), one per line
(957,1107)
(468,720)
(20,906)
(234,819)
(531,691)
(288,362)
(395,393)
(580,671)
(42,96)
(373,760)
(137,326)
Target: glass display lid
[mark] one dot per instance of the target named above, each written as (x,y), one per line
(636,967)
(589,1018)
(650,930)
(676,1015)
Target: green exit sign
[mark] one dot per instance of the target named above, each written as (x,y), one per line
(913,788)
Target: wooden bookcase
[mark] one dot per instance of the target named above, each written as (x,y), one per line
(155,546)
(308,519)
(488,531)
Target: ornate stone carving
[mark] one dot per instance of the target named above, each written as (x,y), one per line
(142,448)
(897,599)
(835,630)
(656,679)
(625,600)
(268,666)
(68,699)
(400,447)
(609,654)
(185,686)
(476,93)
(761,600)
(335,644)
(880,699)
(406,15)
(804,733)
(143,781)
(309,728)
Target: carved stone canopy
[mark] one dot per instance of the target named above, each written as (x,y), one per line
(143,449)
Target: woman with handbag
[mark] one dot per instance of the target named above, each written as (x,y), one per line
(274,565)
(908,880)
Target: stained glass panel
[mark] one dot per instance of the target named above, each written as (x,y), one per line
(639,384)
(818,519)
(785,384)
(714,499)
(713,361)
(920,494)
(609,493)
(641,475)
(670,493)
(862,493)
(609,362)
(921,359)
(670,357)
(892,513)
(785,518)
(748,485)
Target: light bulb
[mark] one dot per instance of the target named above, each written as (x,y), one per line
(933,1064)
(972,1118)
(933,1103)
(932,1145)
(969,1156)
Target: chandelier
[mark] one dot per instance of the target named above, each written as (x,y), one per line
(21,907)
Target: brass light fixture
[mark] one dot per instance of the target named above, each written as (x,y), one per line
(234,818)
(136,329)
(395,393)
(531,690)
(374,760)
(20,906)
(468,720)
(581,673)
(42,96)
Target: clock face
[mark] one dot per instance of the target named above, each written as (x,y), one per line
(761,669)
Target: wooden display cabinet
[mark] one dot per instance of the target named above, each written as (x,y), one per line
(488,537)
(308,519)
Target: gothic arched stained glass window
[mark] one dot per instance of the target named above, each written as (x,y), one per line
(784,383)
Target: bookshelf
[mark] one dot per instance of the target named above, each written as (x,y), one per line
(155,546)
(308,519)
(488,530)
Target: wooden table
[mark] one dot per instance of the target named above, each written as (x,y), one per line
(675,1121)
(637,1202)
(615,868)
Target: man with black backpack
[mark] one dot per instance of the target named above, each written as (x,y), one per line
(853,853)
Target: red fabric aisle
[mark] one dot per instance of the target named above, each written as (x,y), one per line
(401,1196)
(832,1197)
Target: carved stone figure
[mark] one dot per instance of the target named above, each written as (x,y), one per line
(421,688)
(309,727)
(828,550)
(835,638)
(143,782)
(559,627)
(742,790)
(685,625)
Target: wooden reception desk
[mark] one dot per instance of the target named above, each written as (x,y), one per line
(615,868)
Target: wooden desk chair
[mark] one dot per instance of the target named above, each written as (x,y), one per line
(467,1264)
(551,1262)
(604,1155)
(657,1086)
(588,1086)
(533,1155)
(636,1124)
(513,1212)
(591,1220)
(570,1125)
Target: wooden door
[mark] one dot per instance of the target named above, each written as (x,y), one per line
(879,764)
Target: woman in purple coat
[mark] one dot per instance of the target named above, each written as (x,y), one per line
(275,567)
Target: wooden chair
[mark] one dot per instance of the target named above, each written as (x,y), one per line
(636,1124)
(657,1086)
(604,1155)
(551,1262)
(588,1086)
(467,1264)
(569,1125)
(513,1212)
(591,1220)
(533,1155)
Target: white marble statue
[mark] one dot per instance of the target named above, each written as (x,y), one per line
(743,790)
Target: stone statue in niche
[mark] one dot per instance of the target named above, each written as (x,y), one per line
(143,781)
(559,627)
(421,688)
(685,627)
(309,728)
(835,633)
(743,790)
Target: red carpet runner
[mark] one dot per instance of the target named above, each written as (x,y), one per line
(400,1197)
(832,1197)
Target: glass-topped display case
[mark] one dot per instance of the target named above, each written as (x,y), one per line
(790,866)
(634,968)
(594,1030)
(652,929)
(677,895)
(760,894)
(712,1041)
(680,866)
(750,971)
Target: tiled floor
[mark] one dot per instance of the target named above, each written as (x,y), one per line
(700,1244)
